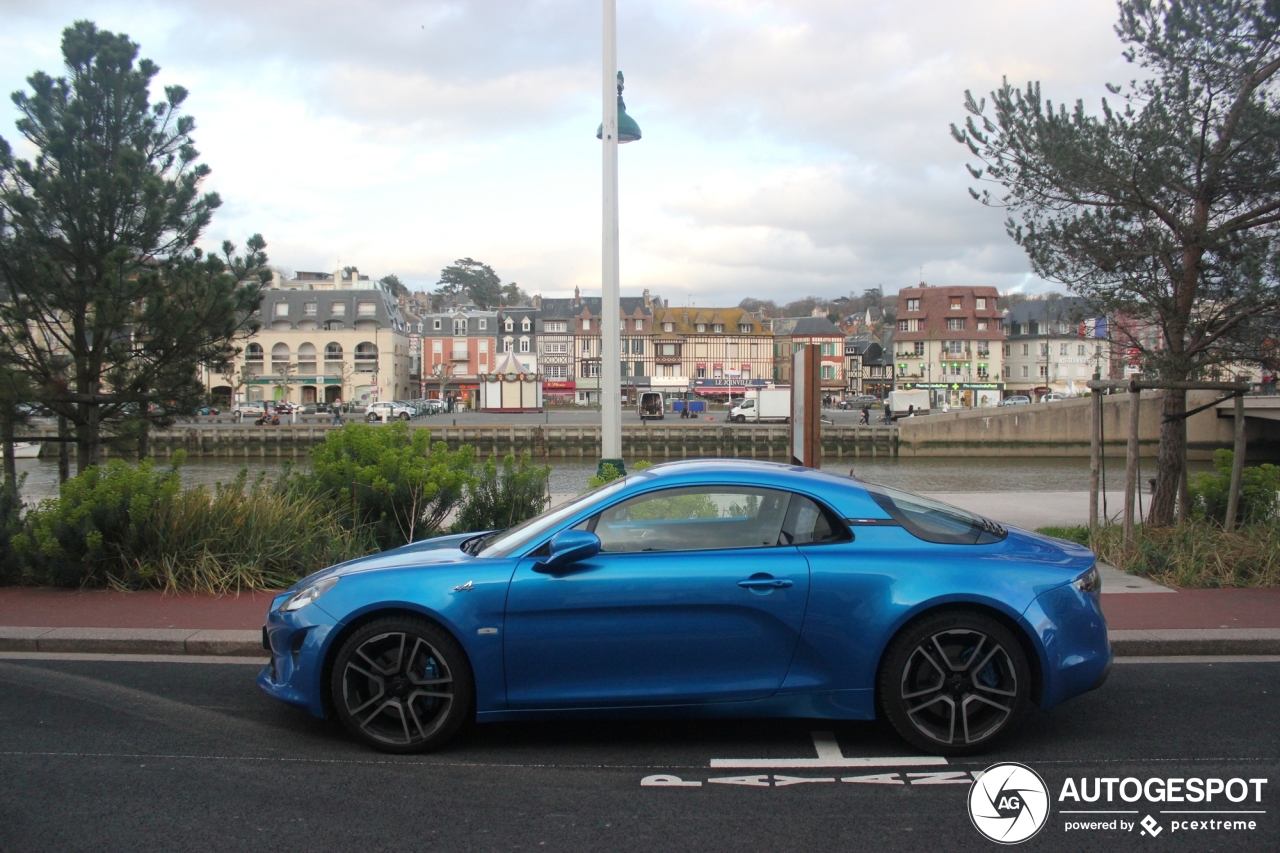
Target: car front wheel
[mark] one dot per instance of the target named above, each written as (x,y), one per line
(402,685)
(953,682)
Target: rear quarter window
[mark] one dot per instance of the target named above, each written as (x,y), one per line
(934,521)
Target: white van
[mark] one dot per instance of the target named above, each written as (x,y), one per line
(650,406)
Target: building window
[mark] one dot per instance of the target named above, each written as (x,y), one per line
(1026,349)
(913,304)
(484,324)
(508,344)
(700,328)
(982,370)
(981,303)
(525,325)
(984,348)
(1044,371)
(668,349)
(460,326)
(954,347)
(956,303)
(904,325)
(586,325)
(828,371)
(1064,349)
(1006,350)
(637,346)
(639,369)
(524,345)
(701,372)
(1080,351)
(554,326)
(435,324)
(282,309)
(919,348)
(1025,371)
(982,325)
(668,327)
(1044,350)
(591,369)
(955,324)
(338,309)
(744,328)
(717,328)
(638,325)
(560,348)
(366,309)
(508,326)
(556,371)
(309,309)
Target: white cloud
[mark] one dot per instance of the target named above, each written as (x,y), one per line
(789,146)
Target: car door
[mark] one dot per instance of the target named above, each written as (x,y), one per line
(691,599)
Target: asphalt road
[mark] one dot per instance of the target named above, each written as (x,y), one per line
(185,757)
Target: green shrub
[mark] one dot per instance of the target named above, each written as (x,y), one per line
(391,480)
(1196,554)
(497,499)
(1079,535)
(1259,485)
(135,528)
(609,473)
(11,525)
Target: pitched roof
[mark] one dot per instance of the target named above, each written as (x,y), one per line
(805,326)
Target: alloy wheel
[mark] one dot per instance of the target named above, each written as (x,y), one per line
(959,686)
(398,689)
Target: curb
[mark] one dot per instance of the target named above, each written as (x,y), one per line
(145,641)
(1198,641)
(1169,642)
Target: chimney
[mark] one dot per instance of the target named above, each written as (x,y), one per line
(537,302)
(664,304)
(686,315)
(647,302)
(577,298)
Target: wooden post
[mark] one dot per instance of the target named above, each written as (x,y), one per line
(1095,460)
(806,409)
(1237,468)
(1131,463)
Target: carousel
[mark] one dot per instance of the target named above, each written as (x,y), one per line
(510,388)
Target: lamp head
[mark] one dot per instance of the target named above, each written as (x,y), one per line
(628,130)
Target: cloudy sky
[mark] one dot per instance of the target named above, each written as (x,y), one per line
(790,147)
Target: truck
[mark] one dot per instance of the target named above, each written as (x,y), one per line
(650,406)
(762,405)
(900,401)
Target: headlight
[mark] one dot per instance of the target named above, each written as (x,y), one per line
(1090,581)
(303,597)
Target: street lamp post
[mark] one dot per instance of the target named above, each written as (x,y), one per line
(615,127)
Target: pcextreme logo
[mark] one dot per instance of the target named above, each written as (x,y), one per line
(1009,803)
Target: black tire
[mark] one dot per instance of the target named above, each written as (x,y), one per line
(404,416)
(953,682)
(378,680)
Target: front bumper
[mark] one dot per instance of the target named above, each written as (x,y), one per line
(1075,654)
(298,642)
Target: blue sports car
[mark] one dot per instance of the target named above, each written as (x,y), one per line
(708,587)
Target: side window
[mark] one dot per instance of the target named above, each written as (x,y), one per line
(807,523)
(699,518)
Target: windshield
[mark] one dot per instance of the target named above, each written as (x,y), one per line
(507,543)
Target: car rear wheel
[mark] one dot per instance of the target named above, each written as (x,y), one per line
(402,685)
(953,682)
(404,416)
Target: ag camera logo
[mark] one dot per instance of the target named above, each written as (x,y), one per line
(1009,803)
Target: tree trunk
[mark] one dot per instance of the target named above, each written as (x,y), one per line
(64,450)
(88,438)
(144,439)
(1173,442)
(6,436)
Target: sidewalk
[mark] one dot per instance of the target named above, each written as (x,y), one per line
(1186,622)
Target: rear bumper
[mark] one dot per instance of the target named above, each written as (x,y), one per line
(1075,654)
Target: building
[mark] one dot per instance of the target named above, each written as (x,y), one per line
(517,333)
(555,346)
(458,347)
(791,333)
(949,340)
(1049,349)
(712,351)
(323,337)
(868,369)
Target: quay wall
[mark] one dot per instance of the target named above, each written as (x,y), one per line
(542,441)
(1062,428)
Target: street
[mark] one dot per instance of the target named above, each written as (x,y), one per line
(161,756)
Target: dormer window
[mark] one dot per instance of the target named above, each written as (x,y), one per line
(700,328)
(508,325)
(717,328)
(639,325)
(484,324)
(668,327)
(956,303)
(586,325)
(525,325)
(744,328)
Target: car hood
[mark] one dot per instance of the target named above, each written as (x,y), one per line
(440,551)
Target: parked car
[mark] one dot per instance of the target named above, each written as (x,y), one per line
(1053,398)
(387,412)
(708,587)
(859,401)
(1016,400)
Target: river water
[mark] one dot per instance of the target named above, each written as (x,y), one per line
(569,476)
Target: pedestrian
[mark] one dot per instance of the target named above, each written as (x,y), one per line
(888,413)
(866,416)
(911,411)
(337,413)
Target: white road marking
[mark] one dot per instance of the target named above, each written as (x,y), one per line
(960,778)
(783,781)
(255,661)
(752,781)
(664,780)
(1198,659)
(876,779)
(829,755)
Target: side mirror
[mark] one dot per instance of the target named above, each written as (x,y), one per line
(568,547)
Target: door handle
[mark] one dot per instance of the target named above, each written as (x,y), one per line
(765,583)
